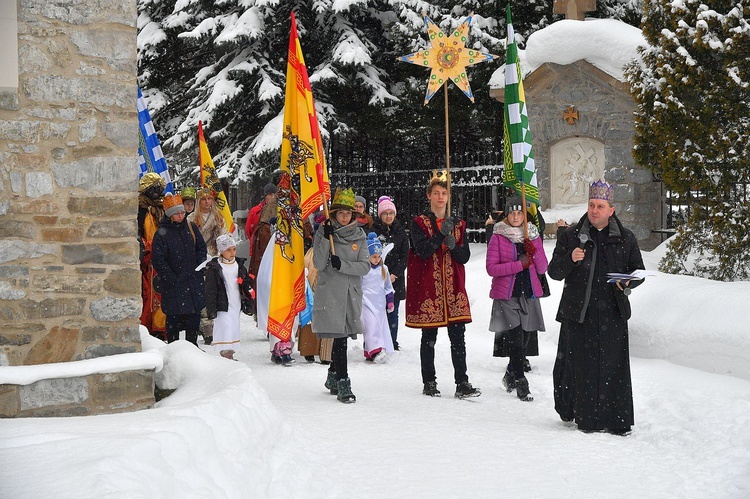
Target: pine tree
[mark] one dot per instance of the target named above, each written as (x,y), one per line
(225,63)
(692,127)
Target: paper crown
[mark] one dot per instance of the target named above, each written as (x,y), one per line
(343,200)
(188,193)
(602,190)
(172,204)
(374,245)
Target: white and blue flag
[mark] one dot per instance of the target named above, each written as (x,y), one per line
(150,157)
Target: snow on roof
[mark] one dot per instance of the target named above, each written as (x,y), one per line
(607,44)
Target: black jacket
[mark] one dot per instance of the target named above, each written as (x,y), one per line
(621,253)
(396,259)
(216,288)
(175,253)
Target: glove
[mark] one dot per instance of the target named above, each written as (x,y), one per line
(336,262)
(450,241)
(528,247)
(448,225)
(327,229)
(526,261)
(390,308)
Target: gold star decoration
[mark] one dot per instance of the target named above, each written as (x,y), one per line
(447,58)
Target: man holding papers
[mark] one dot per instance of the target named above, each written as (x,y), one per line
(592,370)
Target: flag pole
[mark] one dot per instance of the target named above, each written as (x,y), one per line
(447,151)
(525,216)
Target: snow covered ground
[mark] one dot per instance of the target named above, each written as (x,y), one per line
(255,429)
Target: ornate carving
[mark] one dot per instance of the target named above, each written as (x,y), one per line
(576,163)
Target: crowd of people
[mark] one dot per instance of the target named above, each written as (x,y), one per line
(360,268)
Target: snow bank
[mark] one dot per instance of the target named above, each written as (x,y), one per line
(217,434)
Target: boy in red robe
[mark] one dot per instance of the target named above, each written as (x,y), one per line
(435,286)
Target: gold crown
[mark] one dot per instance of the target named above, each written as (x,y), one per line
(439,176)
(602,190)
(343,200)
(204,192)
(172,204)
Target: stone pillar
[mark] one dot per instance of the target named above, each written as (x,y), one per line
(69,270)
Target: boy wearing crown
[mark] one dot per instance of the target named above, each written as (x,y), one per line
(435,286)
(592,370)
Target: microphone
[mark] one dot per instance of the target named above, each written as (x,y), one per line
(584,239)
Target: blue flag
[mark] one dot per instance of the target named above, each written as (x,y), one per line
(150,157)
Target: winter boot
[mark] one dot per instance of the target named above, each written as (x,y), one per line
(332,383)
(526,365)
(345,394)
(430,389)
(287,360)
(508,382)
(522,390)
(465,390)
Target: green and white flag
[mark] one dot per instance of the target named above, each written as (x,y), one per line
(520,171)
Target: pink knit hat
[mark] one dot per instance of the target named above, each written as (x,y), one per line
(385,203)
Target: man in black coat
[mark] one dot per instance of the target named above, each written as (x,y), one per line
(592,370)
(178,248)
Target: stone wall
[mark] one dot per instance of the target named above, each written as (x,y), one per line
(605,114)
(69,271)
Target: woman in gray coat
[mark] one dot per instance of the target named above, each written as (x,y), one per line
(337,307)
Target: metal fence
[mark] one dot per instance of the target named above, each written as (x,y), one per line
(476,188)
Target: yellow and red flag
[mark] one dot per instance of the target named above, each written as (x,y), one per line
(210,179)
(303,188)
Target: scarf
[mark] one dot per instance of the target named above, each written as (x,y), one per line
(515,234)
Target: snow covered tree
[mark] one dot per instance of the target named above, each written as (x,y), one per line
(693,128)
(627,11)
(224,63)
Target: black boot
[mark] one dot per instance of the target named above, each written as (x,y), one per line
(345,394)
(508,382)
(430,389)
(522,390)
(332,383)
(192,337)
(465,390)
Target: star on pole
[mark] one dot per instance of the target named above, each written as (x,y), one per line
(447,58)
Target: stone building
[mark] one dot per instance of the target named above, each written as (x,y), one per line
(581,118)
(69,276)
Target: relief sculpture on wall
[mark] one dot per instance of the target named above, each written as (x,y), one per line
(576,162)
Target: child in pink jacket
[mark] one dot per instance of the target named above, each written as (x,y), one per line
(514,262)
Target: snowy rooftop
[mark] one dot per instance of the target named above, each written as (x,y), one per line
(606,43)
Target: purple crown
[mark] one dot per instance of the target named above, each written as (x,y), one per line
(602,190)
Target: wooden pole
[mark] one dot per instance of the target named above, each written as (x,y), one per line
(447,151)
(328,217)
(525,216)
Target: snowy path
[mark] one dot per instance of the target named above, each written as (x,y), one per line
(691,439)
(219,436)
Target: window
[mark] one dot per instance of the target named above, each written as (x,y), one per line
(8,46)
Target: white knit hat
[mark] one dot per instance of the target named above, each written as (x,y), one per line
(224,242)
